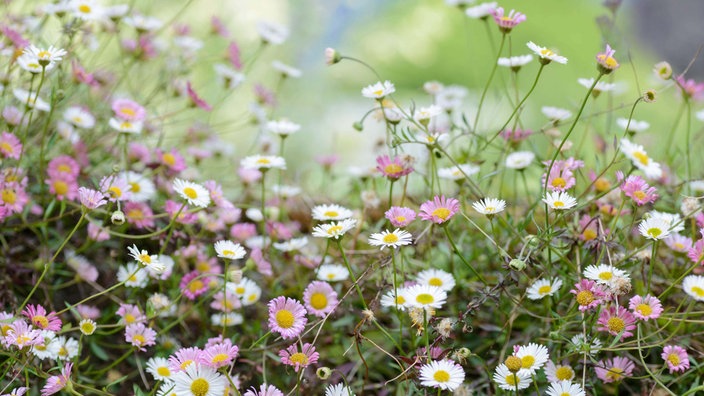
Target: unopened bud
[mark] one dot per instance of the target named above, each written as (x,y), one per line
(358,126)
(518,265)
(118,217)
(323,373)
(513,363)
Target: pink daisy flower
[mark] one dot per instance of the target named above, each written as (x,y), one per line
(21,334)
(588,294)
(63,165)
(116,188)
(216,195)
(392,169)
(10,146)
(676,358)
(690,88)
(606,63)
(17,391)
(57,382)
(38,316)
(507,22)
(320,298)
(264,390)
(263,266)
(193,284)
(219,28)
(696,252)
(172,160)
(400,216)
(220,355)
(292,357)
(64,187)
(287,317)
(589,228)
(645,308)
(90,198)
(88,311)
(617,320)
(614,370)
(128,110)
(131,314)
(234,55)
(184,357)
(13,196)
(679,243)
(195,99)
(439,210)
(140,336)
(243,231)
(226,301)
(515,136)
(139,214)
(637,189)
(172,207)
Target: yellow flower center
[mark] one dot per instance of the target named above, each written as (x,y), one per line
(442,213)
(527,361)
(228,253)
(331,213)
(9,196)
(186,363)
(134,187)
(318,300)
(511,379)
(425,299)
(190,193)
(63,351)
(378,92)
(169,159)
(284,319)
(40,321)
(60,187)
(334,230)
(390,238)
(564,373)
(87,328)
(435,282)
(585,297)
(698,291)
(441,376)
(616,324)
(129,318)
(639,195)
(263,161)
(614,374)
(674,359)
(513,363)
(605,276)
(138,339)
(400,219)
(559,182)
(558,204)
(393,168)
(43,54)
(219,358)
(642,157)
(546,52)
(331,276)
(299,358)
(135,214)
(200,387)
(644,309)
(115,192)
(145,258)
(163,371)
(239,290)
(544,289)
(84,8)
(654,232)
(6,148)
(589,234)
(195,285)
(602,184)
(400,300)
(127,111)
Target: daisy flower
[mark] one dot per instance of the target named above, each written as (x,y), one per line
(617,320)
(10,146)
(126,126)
(30,100)
(46,57)
(287,317)
(424,114)
(320,298)
(87,326)
(510,381)
(199,380)
(679,243)
(128,110)
(140,336)
(533,357)
(439,210)
(393,168)
(131,314)
(264,390)
(142,188)
(676,358)
(436,278)
(443,374)
(458,172)
(335,229)
(391,239)
(332,273)
(515,62)
(263,162)
(272,33)
(389,299)
(606,62)
(559,372)
(507,22)
(220,354)
(292,357)
(400,216)
(21,335)
(338,390)
(194,284)
(546,55)
(91,199)
(158,367)
(79,117)
(424,296)
(588,294)
(489,206)
(556,114)
(674,220)
(654,228)
(640,159)
(542,288)
(143,257)
(694,286)
(286,70)
(645,308)
(481,11)
(519,159)
(614,370)
(580,345)
(632,126)
(559,200)
(229,250)
(637,189)
(193,193)
(378,90)
(184,358)
(56,383)
(226,319)
(565,388)
(600,86)
(42,320)
(331,212)
(292,244)
(604,274)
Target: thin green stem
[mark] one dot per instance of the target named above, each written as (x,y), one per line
(475,125)
(459,254)
(354,278)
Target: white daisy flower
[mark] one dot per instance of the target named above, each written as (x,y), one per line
(263,162)
(292,244)
(199,380)
(49,349)
(87,326)
(228,77)
(654,228)
(335,229)
(31,101)
(79,117)
(436,278)
(31,64)
(581,345)
(489,206)
(482,10)
(557,373)
(542,288)
(132,127)
(634,126)
(46,57)
(559,200)
(424,296)
(444,374)
(546,55)
(519,159)
(390,300)
(600,87)
(143,257)
(68,348)
(193,193)
(229,250)
(458,172)
(132,275)
(694,286)
(640,159)
(700,115)
(226,319)
(451,97)
(338,390)
(565,388)
(158,367)
(515,62)
(286,192)
(424,114)
(378,90)
(332,273)
(286,70)
(391,239)
(331,212)
(674,220)
(282,127)
(533,357)
(556,113)
(142,188)
(272,33)
(510,381)
(87,10)
(143,23)
(604,274)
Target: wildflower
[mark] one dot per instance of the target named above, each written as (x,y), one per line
(193,193)
(194,284)
(47,58)
(331,212)
(125,126)
(519,159)
(282,127)
(389,299)
(320,298)
(56,383)
(614,370)
(338,390)
(533,357)
(128,110)
(559,200)
(693,285)
(654,228)
(650,96)
(140,336)
(264,390)
(423,115)
(481,11)
(199,380)
(335,229)
(229,250)
(606,62)
(400,216)
(332,273)
(458,172)
(40,319)
(489,206)
(637,189)
(557,373)
(21,335)
(645,308)
(392,239)
(556,114)
(87,326)
(48,346)
(31,100)
(439,210)
(378,90)
(436,278)
(515,62)
(91,199)
(220,354)
(149,261)
(158,367)
(604,274)
(286,70)
(617,320)
(507,22)
(640,159)
(184,358)
(299,360)
(443,374)
(632,126)
(10,146)
(690,88)
(272,33)
(393,169)
(588,294)
(196,101)
(663,70)
(545,55)
(565,388)
(676,358)
(679,243)
(263,162)
(542,288)
(424,296)
(332,56)
(511,381)
(287,317)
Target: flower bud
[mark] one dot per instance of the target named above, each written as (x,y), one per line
(332,56)
(663,70)
(518,265)
(118,217)
(358,126)
(323,373)
(513,363)
(650,96)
